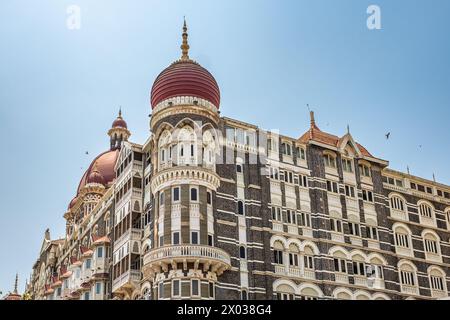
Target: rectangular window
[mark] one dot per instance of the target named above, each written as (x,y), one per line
(161,240)
(194,237)
(100,252)
(88,264)
(340,265)
(86,296)
(176,288)
(98,287)
(372,232)
(354,229)
(161,198)
(367,195)
(293,259)
(211,289)
(176,237)
(176,194)
(210,240)
(161,290)
(336,225)
(347,165)
(278,256)
(208,198)
(350,191)
(304,219)
(195,287)
(359,268)
(194,196)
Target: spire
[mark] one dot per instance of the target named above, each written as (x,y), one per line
(348,129)
(120,112)
(313,121)
(16,282)
(184,45)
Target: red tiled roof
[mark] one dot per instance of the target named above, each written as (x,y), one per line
(315,134)
(100,240)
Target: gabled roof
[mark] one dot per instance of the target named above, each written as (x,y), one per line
(317,135)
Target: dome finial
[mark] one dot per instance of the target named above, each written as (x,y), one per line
(185,46)
(16,282)
(120,112)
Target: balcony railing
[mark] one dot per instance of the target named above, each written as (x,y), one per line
(296,272)
(438,293)
(360,281)
(398,214)
(341,277)
(216,257)
(408,289)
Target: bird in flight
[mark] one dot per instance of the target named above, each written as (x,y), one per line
(387,135)
(87,152)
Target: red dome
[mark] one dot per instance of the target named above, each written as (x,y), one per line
(95,176)
(119,122)
(185,78)
(104,165)
(72,203)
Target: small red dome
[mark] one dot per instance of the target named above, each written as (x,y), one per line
(119,122)
(104,163)
(185,78)
(72,203)
(95,176)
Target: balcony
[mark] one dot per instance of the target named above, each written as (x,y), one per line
(398,214)
(338,237)
(427,221)
(295,272)
(438,293)
(293,229)
(277,226)
(184,175)
(360,281)
(126,280)
(434,257)
(137,193)
(307,232)
(373,244)
(158,258)
(408,289)
(403,251)
(341,278)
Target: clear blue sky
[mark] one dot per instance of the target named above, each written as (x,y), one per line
(60,89)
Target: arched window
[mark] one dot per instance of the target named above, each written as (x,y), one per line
(340,262)
(426,214)
(294,252)
(240,206)
(408,277)
(278,249)
(402,236)
(438,283)
(310,292)
(342,294)
(244,295)
(242,252)
(308,258)
(431,244)
(397,203)
(285,292)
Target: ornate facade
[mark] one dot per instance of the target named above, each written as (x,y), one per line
(214,208)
